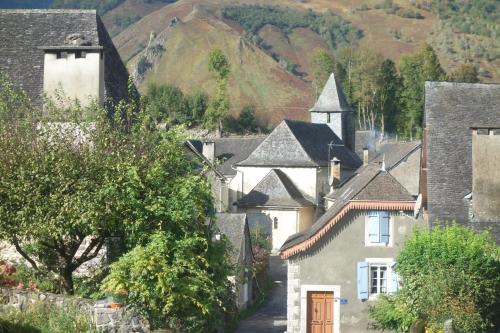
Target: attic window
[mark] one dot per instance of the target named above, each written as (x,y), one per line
(80,54)
(62,55)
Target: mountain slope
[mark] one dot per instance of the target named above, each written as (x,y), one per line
(255,77)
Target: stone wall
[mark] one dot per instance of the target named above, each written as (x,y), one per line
(106,320)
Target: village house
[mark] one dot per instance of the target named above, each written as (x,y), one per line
(461,155)
(236,229)
(61,52)
(339,265)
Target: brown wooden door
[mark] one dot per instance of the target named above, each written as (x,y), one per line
(319,312)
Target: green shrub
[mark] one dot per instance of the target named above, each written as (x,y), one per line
(447,273)
(43,318)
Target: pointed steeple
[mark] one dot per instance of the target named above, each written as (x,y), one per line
(332,98)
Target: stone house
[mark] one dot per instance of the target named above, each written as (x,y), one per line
(342,262)
(46,52)
(460,177)
(235,228)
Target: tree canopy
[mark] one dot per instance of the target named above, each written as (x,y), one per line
(447,273)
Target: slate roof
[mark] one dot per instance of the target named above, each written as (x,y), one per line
(368,183)
(274,190)
(394,152)
(229,151)
(233,226)
(25,33)
(332,98)
(301,144)
(451,110)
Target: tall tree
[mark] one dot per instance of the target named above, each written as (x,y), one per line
(415,69)
(219,105)
(322,65)
(389,82)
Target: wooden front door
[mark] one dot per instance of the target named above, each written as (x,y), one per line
(320,312)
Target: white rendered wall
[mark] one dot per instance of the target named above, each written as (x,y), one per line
(288,223)
(80,78)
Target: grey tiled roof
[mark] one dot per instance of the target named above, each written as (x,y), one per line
(367,183)
(233,226)
(274,190)
(23,33)
(394,152)
(229,151)
(451,110)
(297,143)
(332,98)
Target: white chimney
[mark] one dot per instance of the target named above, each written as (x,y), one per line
(365,155)
(335,173)
(209,150)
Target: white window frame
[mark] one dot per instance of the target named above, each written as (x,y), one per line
(336,304)
(380,262)
(391,232)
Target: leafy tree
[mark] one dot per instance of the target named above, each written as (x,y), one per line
(219,105)
(465,73)
(247,120)
(167,103)
(14,104)
(198,104)
(322,65)
(218,64)
(173,280)
(415,69)
(447,273)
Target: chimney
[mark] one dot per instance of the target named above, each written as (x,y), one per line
(209,150)
(335,173)
(365,156)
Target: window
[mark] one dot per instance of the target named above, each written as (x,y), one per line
(376,276)
(328,117)
(378,228)
(61,55)
(80,54)
(378,279)
(275,223)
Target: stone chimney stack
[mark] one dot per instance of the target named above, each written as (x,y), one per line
(335,173)
(209,150)
(366,155)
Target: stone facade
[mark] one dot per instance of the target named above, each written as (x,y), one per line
(106,320)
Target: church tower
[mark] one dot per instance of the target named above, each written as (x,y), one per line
(332,109)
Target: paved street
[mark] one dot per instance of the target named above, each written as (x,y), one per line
(271,317)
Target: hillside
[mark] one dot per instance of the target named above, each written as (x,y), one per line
(272,70)
(271,60)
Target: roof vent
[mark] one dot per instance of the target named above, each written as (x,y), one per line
(77,39)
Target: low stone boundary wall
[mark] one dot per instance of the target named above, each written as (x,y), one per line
(106,320)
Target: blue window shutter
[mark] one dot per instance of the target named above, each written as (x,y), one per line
(393,279)
(362,280)
(374,221)
(384,227)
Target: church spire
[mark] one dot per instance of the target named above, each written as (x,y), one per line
(332,98)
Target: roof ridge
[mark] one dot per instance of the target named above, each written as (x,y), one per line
(297,139)
(283,177)
(419,145)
